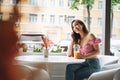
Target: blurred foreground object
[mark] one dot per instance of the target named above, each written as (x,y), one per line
(8,46)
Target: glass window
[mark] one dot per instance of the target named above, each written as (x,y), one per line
(33,2)
(115,22)
(100,22)
(44,3)
(70,2)
(51,16)
(13,2)
(61,3)
(100,4)
(43,18)
(70,18)
(52,3)
(52,19)
(61,19)
(1,15)
(33,18)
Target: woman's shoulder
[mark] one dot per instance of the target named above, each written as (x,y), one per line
(91,36)
(93,39)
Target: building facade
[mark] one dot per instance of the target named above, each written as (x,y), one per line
(53,17)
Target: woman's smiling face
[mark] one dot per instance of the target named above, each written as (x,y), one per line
(76,27)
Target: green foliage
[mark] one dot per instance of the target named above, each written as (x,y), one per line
(75,4)
(38,49)
(56,49)
(88,3)
(113,3)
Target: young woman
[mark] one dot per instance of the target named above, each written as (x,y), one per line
(89,49)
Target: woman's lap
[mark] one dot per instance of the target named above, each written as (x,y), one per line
(82,70)
(75,66)
(82,73)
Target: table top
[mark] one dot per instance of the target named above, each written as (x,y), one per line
(104,59)
(50,59)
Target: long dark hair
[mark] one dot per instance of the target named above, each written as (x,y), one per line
(75,35)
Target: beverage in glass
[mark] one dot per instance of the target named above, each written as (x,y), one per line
(76,51)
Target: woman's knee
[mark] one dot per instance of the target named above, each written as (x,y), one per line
(68,67)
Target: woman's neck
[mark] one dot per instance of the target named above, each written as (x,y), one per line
(82,34)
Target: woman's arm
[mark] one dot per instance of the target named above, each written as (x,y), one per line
(93,53)
(70,49)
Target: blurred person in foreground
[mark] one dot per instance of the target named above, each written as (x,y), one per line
(89,49)
(8,46)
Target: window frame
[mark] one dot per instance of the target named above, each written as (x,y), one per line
(13,2)
(33,18)
(61,3)
(100,22)
(52,19)
(33,2)
(100,4)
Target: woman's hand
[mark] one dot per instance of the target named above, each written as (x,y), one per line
(81,56)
